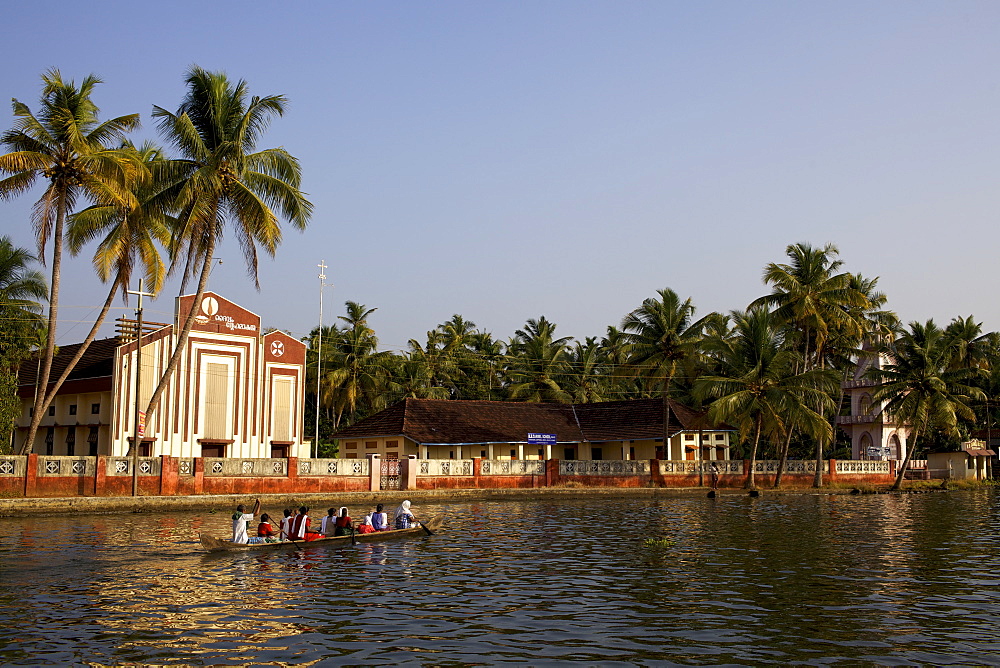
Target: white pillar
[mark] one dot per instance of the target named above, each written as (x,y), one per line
(520,450)
(459,451)
(489,450)
(548,451)
(423,451)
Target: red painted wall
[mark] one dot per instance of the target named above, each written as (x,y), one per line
(171,483)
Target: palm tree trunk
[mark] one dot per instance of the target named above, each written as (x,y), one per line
(83,346)
(783,459)
(206,268)
(50,345)
(818,477)
(666,417)
(749,484)
(906,462)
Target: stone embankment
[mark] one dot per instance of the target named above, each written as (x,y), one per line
(356,500)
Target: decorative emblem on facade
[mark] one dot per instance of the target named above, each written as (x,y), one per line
(305,467)
(485,468)
(185,467)
(331,467)
(121,466)
(278,467)
(424,468)
(210,306)
(79,467)
(7,467)
(217,467)
(52,466)
(145,467)
(466,468)
(277,348)
(247,467)
(357,467)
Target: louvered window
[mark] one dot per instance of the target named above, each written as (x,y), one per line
(282,401)
(216,401)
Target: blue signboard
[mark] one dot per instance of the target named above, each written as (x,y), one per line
(542,439)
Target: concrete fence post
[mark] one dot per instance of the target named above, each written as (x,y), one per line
(408,472)
(375,473)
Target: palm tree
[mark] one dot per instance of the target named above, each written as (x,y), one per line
(587,377)
(21,290)
(221,177)
(758,386)
(662,335)
(538,360)
(130,235)
(971,346)
(358,376)
(922,387)
(813,297)
(67,146)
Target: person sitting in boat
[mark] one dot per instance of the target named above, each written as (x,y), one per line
(379,519)
(366,525)
(266,531)
(241,520)
(285,526)
(300,526)
(342,525)
(403,519)
(326,527)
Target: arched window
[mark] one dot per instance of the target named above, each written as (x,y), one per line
(865,405)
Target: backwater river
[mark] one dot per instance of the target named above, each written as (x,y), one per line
(819,580)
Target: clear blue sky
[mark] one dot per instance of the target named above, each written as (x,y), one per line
(515,159)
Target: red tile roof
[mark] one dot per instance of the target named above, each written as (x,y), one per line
(431,421)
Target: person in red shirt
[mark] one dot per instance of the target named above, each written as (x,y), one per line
(265,529)
(300,527)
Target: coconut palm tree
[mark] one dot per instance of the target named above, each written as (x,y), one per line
(922,387)
(130,235)
(814,298)
(758,386)
(358,376)
(587,376)
(70,149)
(221,177)
(662,335)
(538,360)
(21,290)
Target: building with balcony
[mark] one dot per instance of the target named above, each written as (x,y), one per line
(874,434)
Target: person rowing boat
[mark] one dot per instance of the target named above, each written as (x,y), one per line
(241,522)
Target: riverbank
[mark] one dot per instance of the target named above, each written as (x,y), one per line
(319,502)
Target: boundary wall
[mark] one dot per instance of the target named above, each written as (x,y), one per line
(41,476)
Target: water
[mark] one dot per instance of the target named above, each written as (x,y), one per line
(797,579)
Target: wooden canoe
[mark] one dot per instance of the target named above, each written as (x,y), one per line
(428,528)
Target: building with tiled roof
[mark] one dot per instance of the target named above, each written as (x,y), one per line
(449,429)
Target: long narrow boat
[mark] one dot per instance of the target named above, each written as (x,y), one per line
(428,528)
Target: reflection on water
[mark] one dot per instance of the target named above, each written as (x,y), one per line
(807,579)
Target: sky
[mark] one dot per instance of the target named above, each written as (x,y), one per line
(509,160)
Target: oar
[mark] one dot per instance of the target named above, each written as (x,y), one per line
(353,541)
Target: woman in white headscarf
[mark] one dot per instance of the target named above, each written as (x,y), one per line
(403,519)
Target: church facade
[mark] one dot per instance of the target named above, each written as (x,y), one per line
(236,392)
